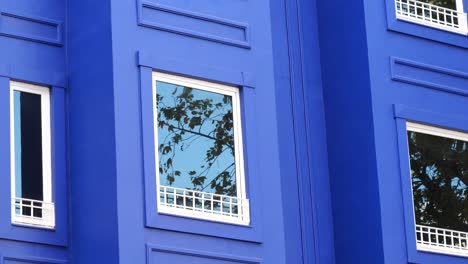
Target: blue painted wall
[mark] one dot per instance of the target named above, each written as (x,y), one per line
(32,50)
(320,82)
(92,134)
(175,37)
(95,57)
(300,70)
(415,67)
(349,124)
(198,55)
(372,64)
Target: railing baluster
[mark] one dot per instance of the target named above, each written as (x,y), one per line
(446,240)
(431,15)
(211,204)
(33,212)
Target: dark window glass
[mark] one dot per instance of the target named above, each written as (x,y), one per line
(421,10)
(28,145)
(195,139)
(451,4)
(439,172)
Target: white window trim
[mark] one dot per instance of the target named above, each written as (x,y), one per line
(47,205)
(436,131)
(460,15)
(244,210)
(429,246)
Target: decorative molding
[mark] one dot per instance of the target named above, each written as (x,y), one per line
(9,27)
(34,75)
(429,76)
(30,260)
(431,118)
(204,72)
(202,26)
(215,256)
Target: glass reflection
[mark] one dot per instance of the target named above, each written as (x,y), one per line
(439,172)
(451,4)
(195,139)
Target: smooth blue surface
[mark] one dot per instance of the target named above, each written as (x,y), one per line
(91,109)
(325,88)
(350,132)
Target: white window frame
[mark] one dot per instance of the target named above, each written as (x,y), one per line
(243,217)
(48,208)
(459,13)
(440,246)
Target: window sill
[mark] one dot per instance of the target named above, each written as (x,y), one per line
(175,212)
(431,25)
(440,250)
(199,214)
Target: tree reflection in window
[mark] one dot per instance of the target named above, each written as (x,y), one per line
(451,4)
(439,171)
(195,139)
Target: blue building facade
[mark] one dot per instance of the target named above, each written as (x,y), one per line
(226,131)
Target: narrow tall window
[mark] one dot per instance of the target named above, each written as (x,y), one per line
(439,176)
(443,14)
(200,167)
(31,177)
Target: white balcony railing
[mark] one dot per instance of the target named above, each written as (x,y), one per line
(32,212)
(432,15)
(441,240)
(203,205)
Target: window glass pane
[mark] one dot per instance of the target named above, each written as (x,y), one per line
(195,139)
(439,171)
(443,3)
(28,146)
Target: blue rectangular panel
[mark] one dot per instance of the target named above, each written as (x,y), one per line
(159,254)
(31,28)
(429,76)
(163,257)
(192,24)
(10,260)
(17,262)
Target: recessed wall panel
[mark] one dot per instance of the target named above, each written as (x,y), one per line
(29,27)
(429,76)
(162,255)
(193,24)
